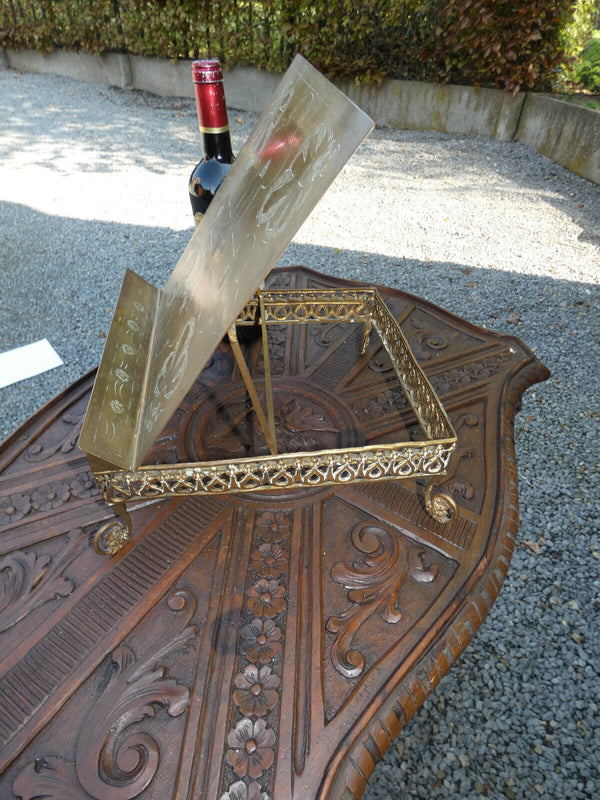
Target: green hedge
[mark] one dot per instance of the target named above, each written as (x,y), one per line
(505,43)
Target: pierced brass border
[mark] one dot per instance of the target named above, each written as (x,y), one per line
(429,458)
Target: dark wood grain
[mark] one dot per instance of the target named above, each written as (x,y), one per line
(257,646)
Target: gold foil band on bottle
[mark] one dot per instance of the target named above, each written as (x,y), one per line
(222,129)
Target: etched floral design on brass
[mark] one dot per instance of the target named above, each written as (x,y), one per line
(251,748)
(266,598)
(261,640)
(372,585)
(256,690)
(110,760)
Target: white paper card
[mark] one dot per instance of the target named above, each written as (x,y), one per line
(25,362)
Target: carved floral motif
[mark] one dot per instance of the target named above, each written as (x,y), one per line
(256,696)
(273,526)
(256,690)
(300,427)
(50,496)
(242,791)
(388,401)
(474,372)
(251,748)
(13,508)
(46,497)
(266,598)
(277,349)
(269,560)
(261,640)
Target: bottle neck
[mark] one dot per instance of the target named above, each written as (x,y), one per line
(217,145)
(213,122)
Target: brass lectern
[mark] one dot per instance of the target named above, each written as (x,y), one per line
(160,340)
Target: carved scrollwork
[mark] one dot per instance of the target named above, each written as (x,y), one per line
(50,778)
(39,453)
(114,760)
(372,585)
(127,762)
(326,334)
(28,580)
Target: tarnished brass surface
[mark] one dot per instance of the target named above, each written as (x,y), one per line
(302,140)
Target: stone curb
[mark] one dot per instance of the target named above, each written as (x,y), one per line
(566,133)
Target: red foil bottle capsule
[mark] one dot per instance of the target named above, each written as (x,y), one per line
(217,155)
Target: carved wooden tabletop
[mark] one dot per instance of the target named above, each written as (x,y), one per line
(259,647)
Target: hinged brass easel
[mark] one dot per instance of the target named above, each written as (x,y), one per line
(160,340)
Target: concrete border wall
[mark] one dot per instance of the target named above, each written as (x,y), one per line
(566,133)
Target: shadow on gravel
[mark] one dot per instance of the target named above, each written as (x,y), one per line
(61,277)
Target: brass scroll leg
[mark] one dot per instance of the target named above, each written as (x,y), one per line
(440,505)
(114,535)
(366,337)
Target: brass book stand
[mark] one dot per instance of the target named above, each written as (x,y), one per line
(160,340)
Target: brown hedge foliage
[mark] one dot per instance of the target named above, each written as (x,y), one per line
(486,42)
(502,43)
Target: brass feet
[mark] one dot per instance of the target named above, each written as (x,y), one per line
(440,506)
(114,535)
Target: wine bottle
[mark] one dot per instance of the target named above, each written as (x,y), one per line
(217,155)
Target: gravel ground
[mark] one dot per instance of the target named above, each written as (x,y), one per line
(93,180)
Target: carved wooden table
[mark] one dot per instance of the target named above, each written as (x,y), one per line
(259,646)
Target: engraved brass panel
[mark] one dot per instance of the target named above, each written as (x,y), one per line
(113,414)
(300,143)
